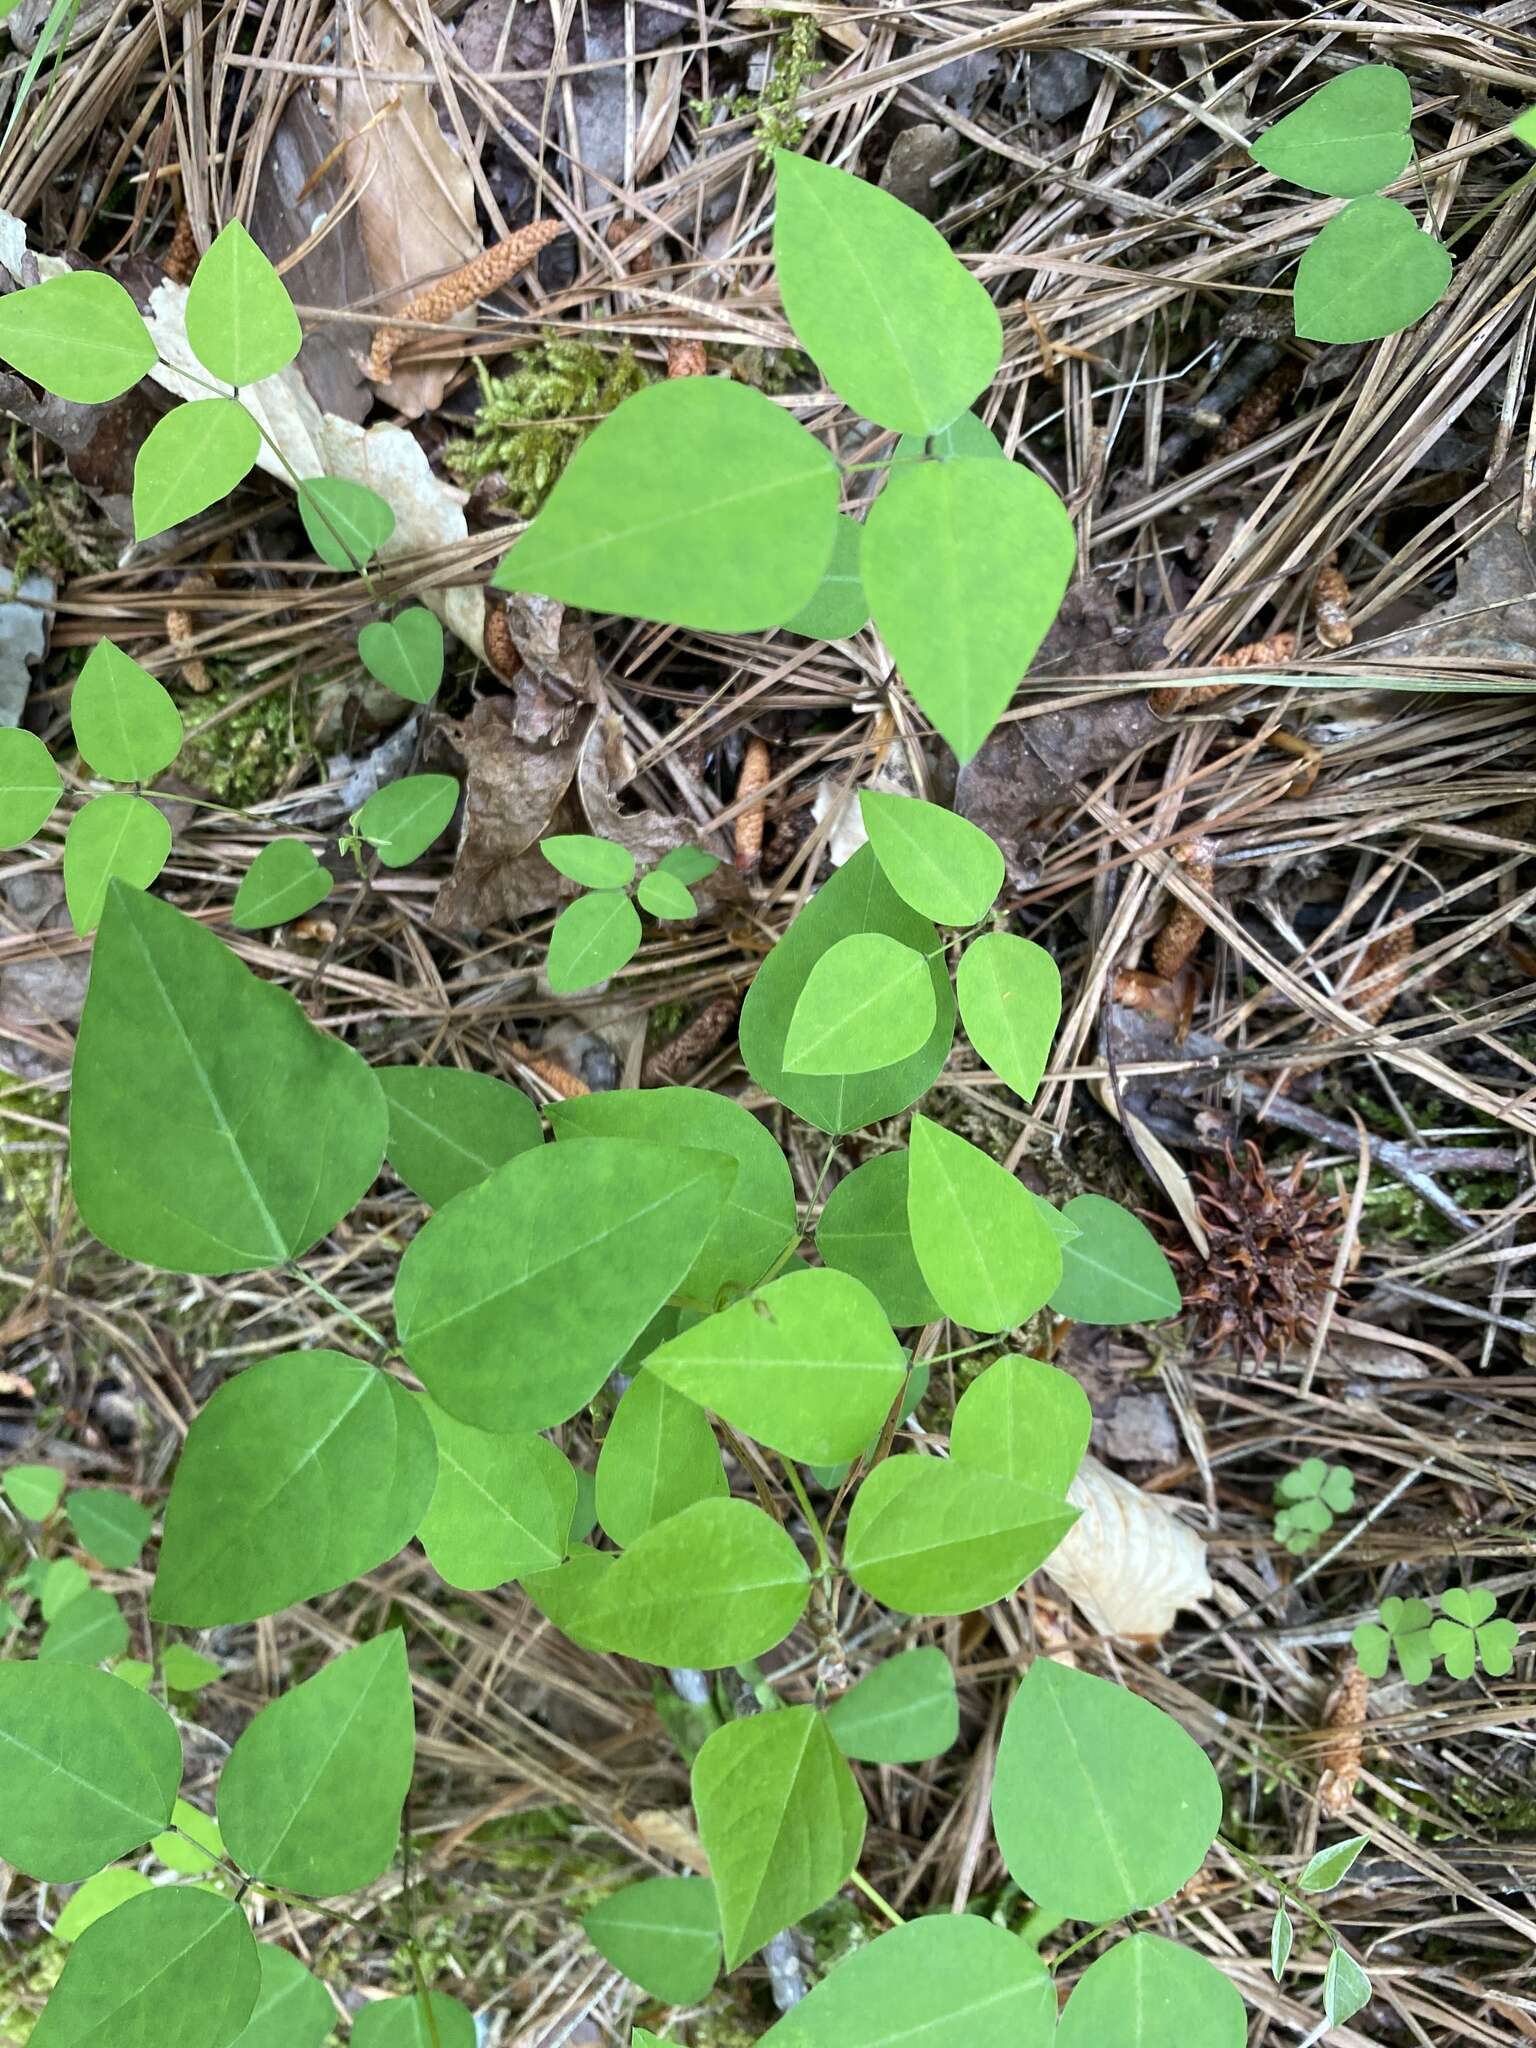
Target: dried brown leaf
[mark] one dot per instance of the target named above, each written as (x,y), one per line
(1128,1562)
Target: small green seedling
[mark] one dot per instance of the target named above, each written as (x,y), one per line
(1346,1987)
(1466,1635)
(600,933)
(1401,1629)
(1309,1498)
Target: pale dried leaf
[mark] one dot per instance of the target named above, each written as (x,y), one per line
(657,1828)
(1159,1161)
(658,117)
(1128,1562)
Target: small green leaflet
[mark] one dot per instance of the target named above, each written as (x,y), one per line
(966,434)
(570,1596)
(241,325)
(192,1845)
(79,336)
(1346,1988)
(112,838)
(1025,1420)
(863,1231)
(404,653)
(113,1528)
(699,502)
(1348,138)
(594,863)
(176,1966)
(189,460)
(135,1672)
(1523,127)
(63,1580)
(436,2022)
(895,322)
(838,609)
(1403,1628)
(311,1795)
(592,939)
(687,864)
(1332,1865)
(1282,1936)
(187,1670)
(33,1490)
(659,1457)
(1370,272)
(88,1769)
(1101,1803)
(986,1253)
(125,724)
(945,867)
(774,1784)
(1010,1005)
(300,1474)
(449,1129)
(401,820)
(663,1934)
(902,1712)
(868,1002)
(284,881)
(663,895)
(347,523)
(1147,1992)
(29,782)
(98,1895)
(932,1536)
(1467,1634)
(997,549)
(807,1365)
(292,2008)
(1114,1270)
(502,1505)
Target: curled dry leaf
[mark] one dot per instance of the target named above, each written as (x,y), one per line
(1128,1562)
(607,767)
(520,752)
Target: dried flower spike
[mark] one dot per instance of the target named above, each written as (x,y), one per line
(459,290)
(1279,647)
(1386,957)
(557,1079)
(180,633)
(182,256)
(500,650)
(755,770)
(687,359)
(1330,605)
(1260,409)
(687,1049)
(1176,942)
(1345,1724)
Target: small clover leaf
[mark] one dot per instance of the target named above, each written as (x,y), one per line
(1466,1634)
(1308,1500)
(1403,1627)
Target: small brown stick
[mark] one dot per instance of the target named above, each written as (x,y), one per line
(1185,927)
(686,1051)
(181,634)
(1268,653)
(1330,606)
(557,1079)
(687,359)
(459,290)
(1345,1725)
(756,766)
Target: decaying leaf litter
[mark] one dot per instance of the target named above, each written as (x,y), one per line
(1295,910)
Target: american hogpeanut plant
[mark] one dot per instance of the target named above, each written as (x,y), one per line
(760,1462)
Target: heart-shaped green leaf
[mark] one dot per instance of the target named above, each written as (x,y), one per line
(1346,1988)
(241,325)
(190,460)
(111,1526)
(867,1003)
(659,1457)
(502,1505)
(1147,1992)
(594,863)
(663,895)
(284,881)
(401,820)
(1370,272)
(176,1965)
(430,2021)
(592,939)
(125,724)
(449,1129)
(32,1490)
(1010,1004)
(902,1712)
(663,1934)
(347,523)
(292,2008)
(1114,1270)
(1347,138)
(405,653)
(79,336)
(1024,1419)
(91,1629)
(29,783)
(112,838)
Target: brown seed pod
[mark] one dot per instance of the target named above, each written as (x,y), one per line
(1344,1722)
(1260,409)
(1330,605)
(1185,927)
(499,648)
(1388,957)
(181,258)
(459,290)
(1269,653)
(557,1079)
(180,633)
(687,359)
(756,766)
(686,1051)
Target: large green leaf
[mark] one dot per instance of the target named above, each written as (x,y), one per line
(932,1536)
(987,1254)
(189,460)
(113,1527)
(212,1128)
(1371,271)
(88,1769)
(896,323)
(174,1968)
(781,1820)
(902,1712)
(1010,1005)
(401,820)
(502,1505)
(716,1584)
(864,1231)
(284,881)
(311,1795)
(838,607)
(1347,138)
(858,898)
(659,1457)
(663,1933)
(868,1002)
(1114,1270)
(699,502)
(807,1365)
(29,782)
(943,865)
(448,1129)
(435,2021)
(951,1980)
(118,838)
(518,1298)
(241,325)
(78,335)
(1150,1993)
(591,940)
(292,2009)
(758,1221)
(1024,1419)
(301,1474)
(965,563)
(1101,1803)
(125,724)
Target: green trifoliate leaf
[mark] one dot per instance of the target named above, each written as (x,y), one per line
(112,838)
(502,1505)
(79,336)
(1347,138)
(864,1231)
(176,1966)
(967,434)
(1371,271)
(241,325)
(903,1712)
(857,899)
(401,820)
(90,1630)
(434,2022)
(347,523)
(807,1365)
(867,1003)
(284,881)
(29,784)
(111,1526)
(592,939)
(663,1934)
(1282,1936)
(951,1980)
(1025,1420)
(448,1130)
(781,1820)
(758,1220)
(192,1844)
(98,1895)
(300,1474)
(659,1457)
(405,653)
(965,563)
(1332,1865)
(186,1670)
(1010,1005)
(189,460)
(33,1490)
(1100,1802)
(663,895)
(212,1127)
(981,1244)
(943,865)
(1403,1628)
(839,608)
(1114,1270)
(63,1580)
(125,724)
(716,1584)
(292,2009)
(1150,1993)
(1467,1635)
(896,323)
(88,1769)
(311,1795)
(1346,1988)
(688,864)
(518,1298)
(594,863)
(699,502)
(931,1536)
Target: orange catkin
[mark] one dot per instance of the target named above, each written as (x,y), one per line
(460,289)
(755,769)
